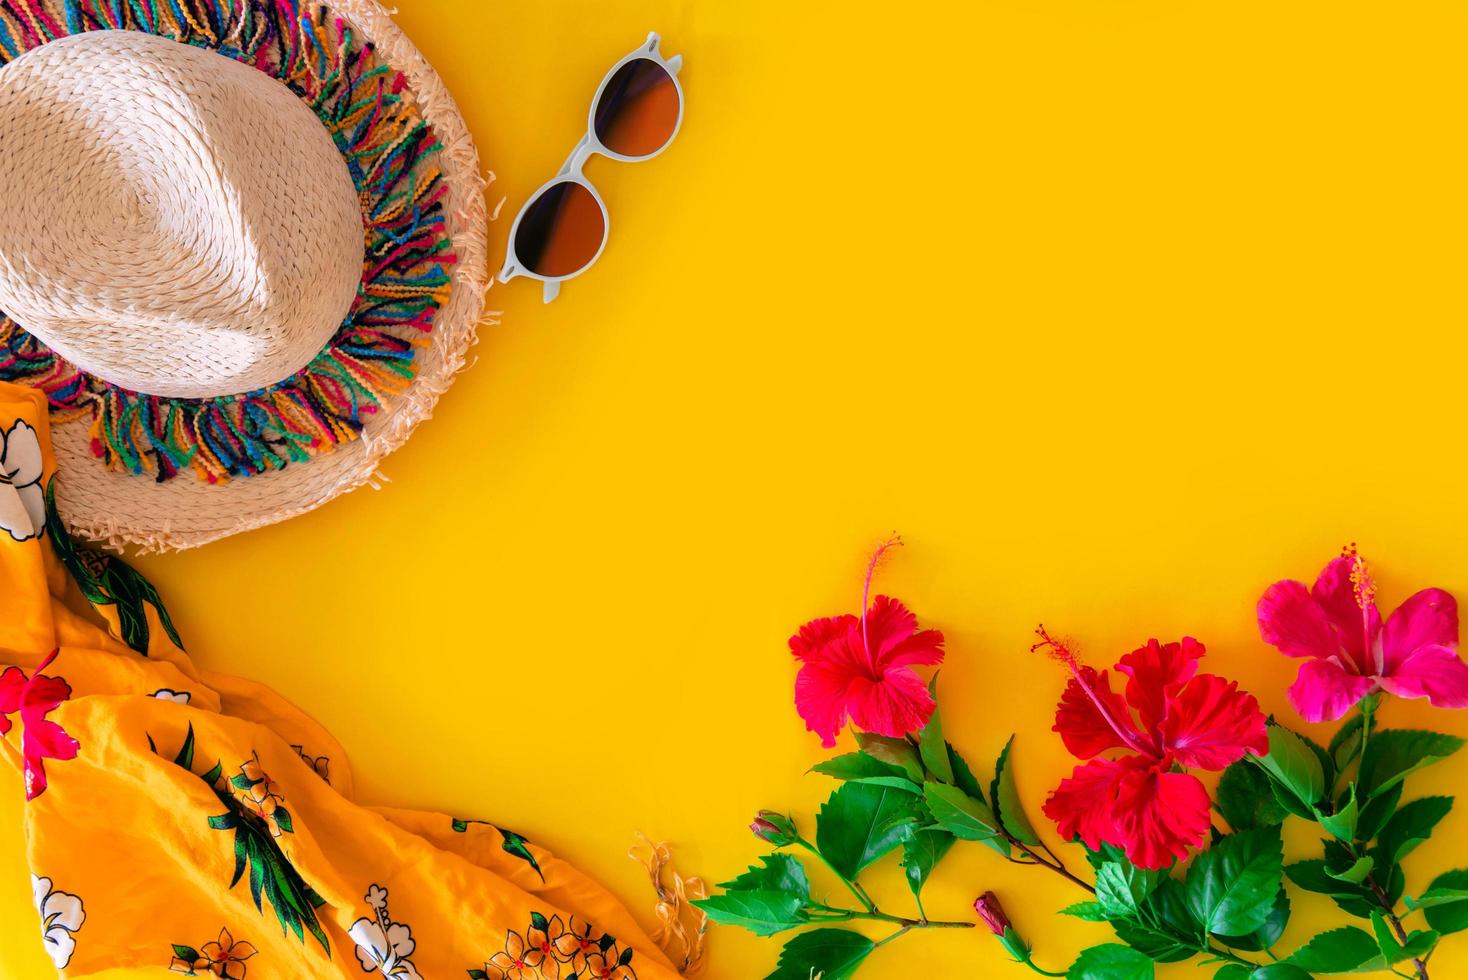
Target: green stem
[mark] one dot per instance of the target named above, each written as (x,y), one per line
(861,896)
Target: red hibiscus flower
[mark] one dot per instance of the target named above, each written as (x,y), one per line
(34,698)
(861,666)
(1168,717)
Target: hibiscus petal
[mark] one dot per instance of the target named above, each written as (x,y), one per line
(821,699)
(923,648)
(1082,727)
(896,706)
(1433,672)
(1325,691)
(33,498)
(1160,816)
(1082,805)
(1429,618)
(888,623)
(1156,672)
(1292,621)
(1336,596)
(817,634)
(1211,723)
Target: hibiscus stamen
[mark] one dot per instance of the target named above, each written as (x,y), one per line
(1061,651)
(866,590)
(1364,589)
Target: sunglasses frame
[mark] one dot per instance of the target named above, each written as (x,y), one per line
(591,145)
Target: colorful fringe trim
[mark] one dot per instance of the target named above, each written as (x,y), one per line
(389,150)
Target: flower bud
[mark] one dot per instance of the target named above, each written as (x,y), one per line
(774,827)
(989,909)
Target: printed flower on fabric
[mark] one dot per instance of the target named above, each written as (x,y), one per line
(1336,628)
(382,944)
(575,944)
(33,698)
(862,667)
(261,795)
(177,697)
(62,915)
(610,964)
(517,961)
(1169,717)
(225,958)
(22,501)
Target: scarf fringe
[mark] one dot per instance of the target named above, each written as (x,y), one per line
(682,929)
(407,257)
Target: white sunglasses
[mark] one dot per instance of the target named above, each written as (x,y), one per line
(562,229)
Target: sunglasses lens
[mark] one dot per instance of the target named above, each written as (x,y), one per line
(638,110)
(561,230)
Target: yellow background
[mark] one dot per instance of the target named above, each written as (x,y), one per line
(1118,310)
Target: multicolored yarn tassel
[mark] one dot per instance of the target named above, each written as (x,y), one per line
(390,152)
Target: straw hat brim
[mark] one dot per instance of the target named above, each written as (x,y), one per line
(120,508)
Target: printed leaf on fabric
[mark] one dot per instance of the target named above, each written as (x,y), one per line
(106,580)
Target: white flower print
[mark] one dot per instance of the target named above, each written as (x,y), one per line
(177,697)
(22,502)
(61,915)
(383,944)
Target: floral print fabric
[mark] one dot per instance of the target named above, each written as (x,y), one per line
(197,823)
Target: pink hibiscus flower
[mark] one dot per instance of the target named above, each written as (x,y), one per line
(1169,718)
(34,698)
(861,666)
(1350,652)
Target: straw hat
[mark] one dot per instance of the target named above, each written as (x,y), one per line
(243,267)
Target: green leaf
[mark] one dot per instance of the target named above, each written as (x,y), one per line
(779,872)
(1344,950)
(1231,887)
(1419,942)
(185,952)
(185,757)
(1165,931)
(1342,824)
(1394,754)
(1245,799)
(1007,805)
(860,823)
(283,820)
(1345,744)
(1268,934)
(762,913)
(478,975)
(1355,874)
(1276,971)
(1448,916)
(1410,826)
(1122,887)
(921,853)
(831,954)
(932,748)
(858,767)
(1111,961)
(963,776)
(1087,911)
(1294,765)
(1377,812)
(960,814)
(1232,971)
(897,752)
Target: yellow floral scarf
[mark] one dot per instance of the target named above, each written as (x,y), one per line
(198,823)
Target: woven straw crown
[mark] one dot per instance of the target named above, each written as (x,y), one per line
(176,223)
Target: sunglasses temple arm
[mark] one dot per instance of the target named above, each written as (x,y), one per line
(551,291)
(675,64)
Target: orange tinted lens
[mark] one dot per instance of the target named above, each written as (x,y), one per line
(638,110)
(561,230)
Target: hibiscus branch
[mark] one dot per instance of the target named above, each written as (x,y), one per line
(1389,913)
